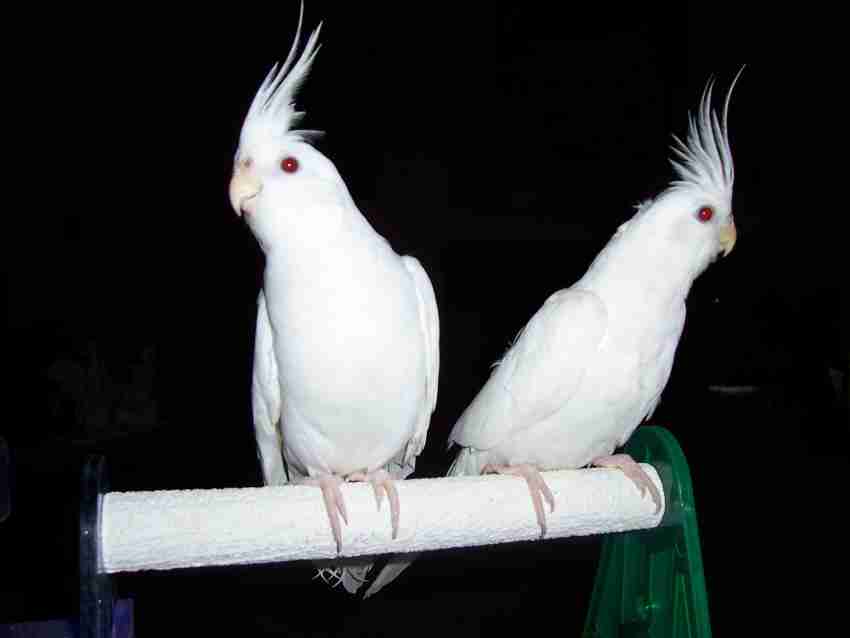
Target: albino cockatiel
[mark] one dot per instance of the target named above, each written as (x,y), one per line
(592,363)
(346,351)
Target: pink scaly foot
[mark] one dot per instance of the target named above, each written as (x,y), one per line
(381,482)
(334,505)
(536,487)
(635,472)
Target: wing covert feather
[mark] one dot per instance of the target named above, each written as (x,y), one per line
(429,322)
(540,372)
(265,399)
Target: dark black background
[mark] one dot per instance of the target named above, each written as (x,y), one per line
(500,145)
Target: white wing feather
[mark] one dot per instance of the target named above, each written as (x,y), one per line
(539,373)
(429,322)
(265,399)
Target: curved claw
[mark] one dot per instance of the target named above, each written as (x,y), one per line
(635,473)
(395,507)
(334,503)
(536,486)
(382,482)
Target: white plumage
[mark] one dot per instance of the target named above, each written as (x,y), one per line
(346,352)
(592,362)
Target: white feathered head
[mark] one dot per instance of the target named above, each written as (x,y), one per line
(284,186)
(689,224)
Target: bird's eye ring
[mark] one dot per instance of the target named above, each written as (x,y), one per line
(705,214)
(289,164)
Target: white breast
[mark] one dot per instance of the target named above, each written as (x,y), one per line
(351,362)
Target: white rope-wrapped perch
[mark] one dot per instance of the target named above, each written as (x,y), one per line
(190,528)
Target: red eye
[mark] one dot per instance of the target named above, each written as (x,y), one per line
(289,164)
(705,214)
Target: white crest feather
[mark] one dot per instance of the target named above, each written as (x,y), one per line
(272,112)
(705,161)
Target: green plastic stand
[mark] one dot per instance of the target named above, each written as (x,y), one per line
(650,583)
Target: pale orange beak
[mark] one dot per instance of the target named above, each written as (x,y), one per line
(728,236)
(244,188)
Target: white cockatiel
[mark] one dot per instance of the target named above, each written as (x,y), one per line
(592,363)
(346,352)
